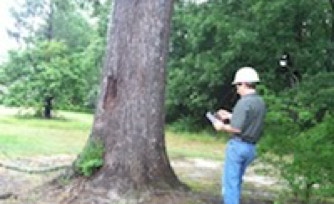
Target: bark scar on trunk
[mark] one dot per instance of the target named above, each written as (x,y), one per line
(111,92)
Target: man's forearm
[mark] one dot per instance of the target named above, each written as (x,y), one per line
(225,127)
(228,128)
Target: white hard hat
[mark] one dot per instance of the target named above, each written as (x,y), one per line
(246,74)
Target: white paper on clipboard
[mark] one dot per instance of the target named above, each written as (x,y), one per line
(212,118)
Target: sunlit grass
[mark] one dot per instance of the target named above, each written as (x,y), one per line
(67,134)
(27,136)
(202,145)
(23,137)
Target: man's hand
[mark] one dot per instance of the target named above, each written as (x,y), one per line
(218,125)
(224,114)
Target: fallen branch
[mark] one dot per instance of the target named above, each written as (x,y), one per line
(34,171)
(6,196)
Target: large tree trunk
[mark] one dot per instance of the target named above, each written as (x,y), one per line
(130,112)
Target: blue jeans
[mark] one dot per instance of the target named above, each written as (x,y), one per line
(238,156)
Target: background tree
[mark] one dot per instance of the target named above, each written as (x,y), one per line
(92,57)
(44,73)
(46,22)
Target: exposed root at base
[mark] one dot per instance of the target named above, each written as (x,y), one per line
(79,191)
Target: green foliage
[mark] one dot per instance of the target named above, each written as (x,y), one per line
(198,60)
(299,136)
(90,159)
(210,41)
(61,59)
(48,70)
(311,159)
(304,160)
(311,99)
(72,29)
(91,63)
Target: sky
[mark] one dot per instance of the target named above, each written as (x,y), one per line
(5,23)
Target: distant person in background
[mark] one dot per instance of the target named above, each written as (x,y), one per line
(245,127)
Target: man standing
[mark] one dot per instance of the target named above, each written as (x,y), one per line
(245,127)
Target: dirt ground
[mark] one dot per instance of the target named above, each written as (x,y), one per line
(26,188)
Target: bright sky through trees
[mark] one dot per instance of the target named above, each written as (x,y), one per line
(6,22)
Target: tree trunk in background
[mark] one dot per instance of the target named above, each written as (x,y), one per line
(130,112)
(48,107)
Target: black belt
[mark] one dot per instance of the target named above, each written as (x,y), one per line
(243,140)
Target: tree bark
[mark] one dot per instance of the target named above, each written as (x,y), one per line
(129,119)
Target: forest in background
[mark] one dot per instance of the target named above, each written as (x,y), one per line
(290,43)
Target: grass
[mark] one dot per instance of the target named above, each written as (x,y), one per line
(201,145)
(27,136)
